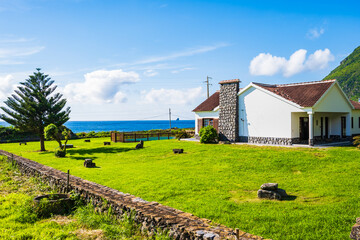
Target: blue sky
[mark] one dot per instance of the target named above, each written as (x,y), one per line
(121,60)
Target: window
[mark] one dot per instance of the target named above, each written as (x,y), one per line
(208,121)
(352,122)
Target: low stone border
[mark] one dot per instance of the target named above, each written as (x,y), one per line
(151,215)
(355,230)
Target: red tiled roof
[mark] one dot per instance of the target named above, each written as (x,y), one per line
(209,104)
(304,94)
(355,104)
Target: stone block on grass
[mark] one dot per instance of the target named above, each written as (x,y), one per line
(269,186)
(267,194)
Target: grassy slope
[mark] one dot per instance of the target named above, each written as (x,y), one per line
(220,182)
(18,220)
(348,74)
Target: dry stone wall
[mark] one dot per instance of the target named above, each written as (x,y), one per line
(151,215)
(229,110)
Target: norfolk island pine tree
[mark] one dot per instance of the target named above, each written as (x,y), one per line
(35,105)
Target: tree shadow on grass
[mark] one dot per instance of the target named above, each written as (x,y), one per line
(91,151)
(82,158)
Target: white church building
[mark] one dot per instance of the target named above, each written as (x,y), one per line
(285,114)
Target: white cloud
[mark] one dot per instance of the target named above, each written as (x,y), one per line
(101,86)
(19,52)
(10,62)
(182,69)
(150,73)
(185,53)
(315,33)
(7,86)
(268,65)
(172,96)
(8,40)
(295,64)
(319,59)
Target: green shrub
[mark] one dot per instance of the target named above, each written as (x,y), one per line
(208,135)
(60,153)
(181,134)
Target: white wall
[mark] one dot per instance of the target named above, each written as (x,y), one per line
(333,101)
(356,116)
(264,115)
(210,114)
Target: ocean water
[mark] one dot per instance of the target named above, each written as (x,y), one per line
(123,126)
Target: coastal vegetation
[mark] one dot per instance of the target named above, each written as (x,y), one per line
(11,134)
(19,220)
(220,182)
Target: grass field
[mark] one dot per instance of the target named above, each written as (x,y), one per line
(18,219)
(220,182)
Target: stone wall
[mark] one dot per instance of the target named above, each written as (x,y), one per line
(151,215)
(229,110)
(267,140)
(290,141)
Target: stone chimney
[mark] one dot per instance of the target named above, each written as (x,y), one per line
(229,110)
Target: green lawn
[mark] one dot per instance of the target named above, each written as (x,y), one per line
(220,182)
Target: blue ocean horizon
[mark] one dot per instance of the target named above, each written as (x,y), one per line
(123,126)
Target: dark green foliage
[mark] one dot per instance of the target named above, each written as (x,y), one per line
(348,74)
(11,134)
(60,153)
(181,134)
(34,105)
(93,134)
(208,135)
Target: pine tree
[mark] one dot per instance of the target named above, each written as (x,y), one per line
(34,105)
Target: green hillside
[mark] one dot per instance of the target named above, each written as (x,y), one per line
(348,74)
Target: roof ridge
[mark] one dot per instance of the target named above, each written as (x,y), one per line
(293,84)
(304,83)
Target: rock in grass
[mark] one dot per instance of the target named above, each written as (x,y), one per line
(269,186)
(282,193)
(267,194)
